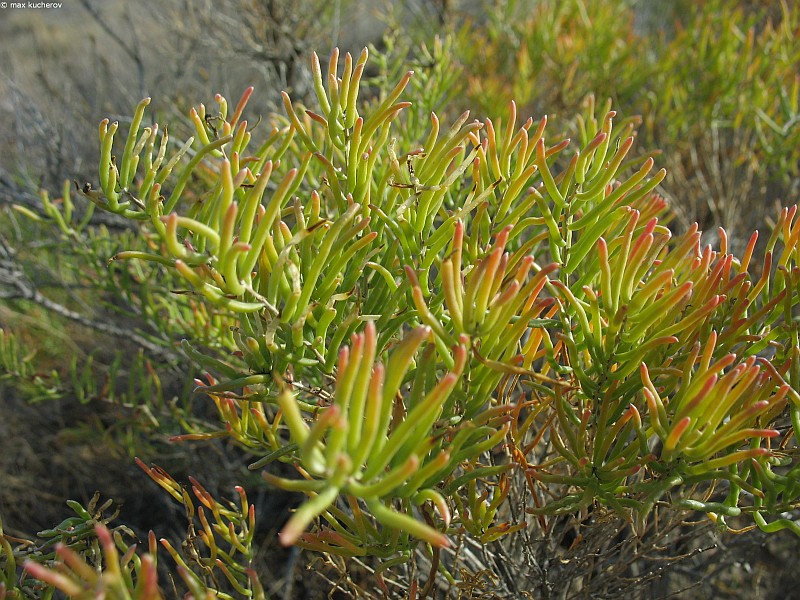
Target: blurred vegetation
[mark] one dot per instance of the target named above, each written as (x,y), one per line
(716,84)
(622,419)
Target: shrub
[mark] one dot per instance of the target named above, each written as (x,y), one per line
(479,334)
(716,85)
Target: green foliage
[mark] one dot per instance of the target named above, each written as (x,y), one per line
(20,368)
(76,540)
(458,329)
(221,547)
(552,54)
(144,385)
(82,558)
(717,86)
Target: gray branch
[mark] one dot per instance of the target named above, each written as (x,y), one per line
(16,285)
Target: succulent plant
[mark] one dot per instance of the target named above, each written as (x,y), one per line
(421,326)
